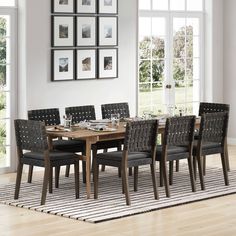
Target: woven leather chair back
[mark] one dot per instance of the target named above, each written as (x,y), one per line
(49,116)
(141,135)
(206,107)
(179,130)
(115,108)
(81,113)
(31,135)
(214,127)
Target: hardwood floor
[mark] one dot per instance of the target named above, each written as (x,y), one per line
(210,217)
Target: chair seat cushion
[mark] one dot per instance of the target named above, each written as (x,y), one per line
(207,148)
(115,158)
(109,144)
(177,152)
(69,145)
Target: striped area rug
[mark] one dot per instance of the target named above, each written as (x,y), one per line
(111,202)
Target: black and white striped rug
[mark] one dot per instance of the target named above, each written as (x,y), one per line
(111,203)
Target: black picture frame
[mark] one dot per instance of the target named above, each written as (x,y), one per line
(108,7)
(63,31)
(108,31)
(107,63)
(86,64)
(63,6)
(87,22)
(63,65)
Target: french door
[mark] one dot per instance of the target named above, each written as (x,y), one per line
(170,62)
(8,34)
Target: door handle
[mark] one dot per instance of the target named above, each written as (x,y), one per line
(168,86)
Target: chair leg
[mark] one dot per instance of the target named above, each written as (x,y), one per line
(165,178)
(84,171)
(130,171)
(119,172)
(195,167)
(225,170)
(135,178)
(46,177)
(177,165)
(200,173)
(30,174)
(192,179)
(203,159)
(154,182)
(50,180)
(95,177)
(227,156)
(18,180)
(103,166)
(161,174)
(67,171)
(124,173)
(171,170)
(57,175)
(76,167)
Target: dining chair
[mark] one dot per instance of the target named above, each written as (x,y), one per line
(139,149)
(177,144)
(122,109)
(211,140)
(207,107)
(33,150)
(50,117)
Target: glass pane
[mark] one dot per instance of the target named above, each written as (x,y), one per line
(160,4)
(196,49)
(180,92)
(189,69)
(177,5)
(158,69)
(178,69)
(196,68)
(145,71)
(145,37)
(194,5)
(179,47)
(3,47)
(10,3)
(189,47)
(179,26)
(4,26)
(145,87)
(194,24)
(145,4)
(158,47)
(158,26)
(192,89)
(3,111)
(2,77)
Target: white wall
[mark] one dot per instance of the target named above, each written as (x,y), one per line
(230,64)
(34,61)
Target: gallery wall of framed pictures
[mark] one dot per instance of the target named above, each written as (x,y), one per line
(84,39)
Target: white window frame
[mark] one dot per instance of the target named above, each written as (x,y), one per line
(12,12)
(169,15)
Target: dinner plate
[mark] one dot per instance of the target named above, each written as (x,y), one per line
(56,129)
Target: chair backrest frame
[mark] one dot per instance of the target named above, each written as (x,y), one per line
(115,108)
(81,113)
(206,107)
(49,116)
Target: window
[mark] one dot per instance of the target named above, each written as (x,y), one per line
(170,56)
(7,83)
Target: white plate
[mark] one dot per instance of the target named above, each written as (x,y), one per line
(102,121)
(53,129)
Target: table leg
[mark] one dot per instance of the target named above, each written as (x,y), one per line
(88,168)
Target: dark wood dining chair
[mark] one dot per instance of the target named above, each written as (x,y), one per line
(209,107)
(122,109)
(33,150)
(212,140)
(177,144)
(51,117)
(139,149)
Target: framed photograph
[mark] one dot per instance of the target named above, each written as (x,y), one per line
(108,31)
(86,31)
(63,65)
(108,63)
(62,6)
(108,6)
(86,6)
(86,64)
(63,31)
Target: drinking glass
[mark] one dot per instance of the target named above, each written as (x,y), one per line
(115,119)
(67,121)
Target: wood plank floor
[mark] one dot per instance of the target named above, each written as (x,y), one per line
(210,217)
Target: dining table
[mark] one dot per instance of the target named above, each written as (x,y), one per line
(91,137)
